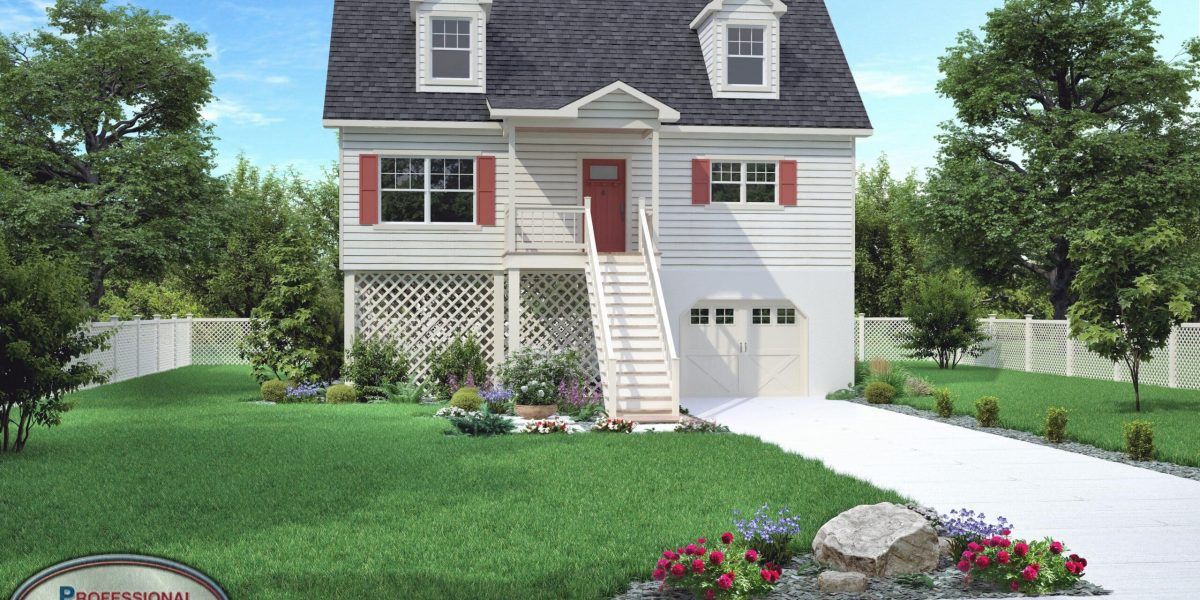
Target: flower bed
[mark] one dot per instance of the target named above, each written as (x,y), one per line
(728,570)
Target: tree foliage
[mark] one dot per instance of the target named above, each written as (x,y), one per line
(944,310)
(1134,287)
(100,119)
(42,332)
(1062,105)
(888,252)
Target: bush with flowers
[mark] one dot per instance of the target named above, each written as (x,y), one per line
(534,375)
(964,526)
(1035,568)
(723,569)
(613,425)
(547,427)
(770,532)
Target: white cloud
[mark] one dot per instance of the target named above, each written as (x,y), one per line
(891,84)
(223,110)
(278,79)
(17,18)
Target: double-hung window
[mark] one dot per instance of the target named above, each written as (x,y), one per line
(427,190)
(746,59)
(743,182)
(450,49)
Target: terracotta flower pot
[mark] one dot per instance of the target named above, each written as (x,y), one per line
(535,412)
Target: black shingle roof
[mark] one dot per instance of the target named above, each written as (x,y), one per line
(547,53)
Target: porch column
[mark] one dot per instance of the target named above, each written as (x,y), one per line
(514,310)
(348,310)
(512,169)
(498,317)
(654,178)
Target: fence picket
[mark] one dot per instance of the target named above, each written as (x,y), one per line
(138,347)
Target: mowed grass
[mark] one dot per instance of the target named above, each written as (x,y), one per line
(315,501)
(1097,409)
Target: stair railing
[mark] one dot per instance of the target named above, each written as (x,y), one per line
(608,374)
(651,256)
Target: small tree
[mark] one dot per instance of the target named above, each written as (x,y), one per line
(944,310)
(1133,289)
(42,333)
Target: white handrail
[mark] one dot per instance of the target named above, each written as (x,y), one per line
(610,402)
(650,255)
(545,228)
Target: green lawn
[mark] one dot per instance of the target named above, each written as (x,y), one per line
(1097,408)
(374,500)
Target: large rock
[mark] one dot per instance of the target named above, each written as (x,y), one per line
(880,540)
(841,581)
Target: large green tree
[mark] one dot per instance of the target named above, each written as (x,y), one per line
(100,123)
(1059,104)
(888,253)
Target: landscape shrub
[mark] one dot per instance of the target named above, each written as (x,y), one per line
(700,426)
(1056,424)
(917,387)
(547,427)
(274,390)
(1033,568)
(963,526)
(578,403)
(727,569)
(771,533)
(944,311)
(461,361)
(403,393)
(498,400)
(987,411)
(843,394)
(883,371)
(943,403)
(536,376)
(374,364)
(467,398)
(879,392)
(862,371)
(1139,440)
(482,424)
(449,412)
(341,394)
(304,393)
(614,425)
(879,366)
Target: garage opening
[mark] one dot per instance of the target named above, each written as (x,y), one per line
(744,348)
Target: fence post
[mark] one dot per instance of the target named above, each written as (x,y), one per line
(1028,343)
(112,343)
(1070,352)
(1173,358)
(137,345)
(862,337)
(157,342)
(187,348)
(174,340)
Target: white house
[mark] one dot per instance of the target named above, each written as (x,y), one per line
(665,186)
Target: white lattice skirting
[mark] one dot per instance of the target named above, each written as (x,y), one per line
(1042,346)
(424,312)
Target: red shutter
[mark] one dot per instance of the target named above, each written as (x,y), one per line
(701,181)
(787,182)
(485,191)
(368,189)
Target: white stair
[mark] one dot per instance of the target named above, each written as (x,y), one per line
(639,352)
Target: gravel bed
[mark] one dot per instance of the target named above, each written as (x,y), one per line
(799,582)
(1076,447)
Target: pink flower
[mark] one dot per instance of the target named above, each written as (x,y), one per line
(997,540)
(690,549)
(1002,556)
(1021,548)
(964,566)
(717,557)
(968,555)
(1004,542)
(752,555)
(726,538)
(660,574)
(1072,567)
(1014,586)
(1056,547)
(1005,532)
(973,547)
(725,581)
(709,595)
(677,570)
(701,541)
(663,563)
(667,554)
(769,576)
(982,561)
(697,566)
(1030,573)
(701,551)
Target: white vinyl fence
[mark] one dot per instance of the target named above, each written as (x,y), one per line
(146,346)
(1042,346)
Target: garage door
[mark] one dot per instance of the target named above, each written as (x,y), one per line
(744,349)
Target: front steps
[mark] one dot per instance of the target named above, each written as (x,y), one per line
(643,379)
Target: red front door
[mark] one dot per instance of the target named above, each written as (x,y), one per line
(604,181)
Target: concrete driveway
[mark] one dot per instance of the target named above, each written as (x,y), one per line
(1139,529)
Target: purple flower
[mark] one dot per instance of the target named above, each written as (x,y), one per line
(966,524)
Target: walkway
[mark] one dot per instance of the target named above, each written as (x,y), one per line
(1138,528)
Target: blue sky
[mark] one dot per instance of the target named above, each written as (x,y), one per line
(269,59)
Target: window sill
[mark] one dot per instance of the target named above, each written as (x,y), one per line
(428,227)
(744,207)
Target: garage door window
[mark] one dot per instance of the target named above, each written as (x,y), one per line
(786,316)
(699,316)
(724,316)
(761,316)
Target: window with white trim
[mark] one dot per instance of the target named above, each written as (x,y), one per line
(450,48)
(699,316)
(724,316)
(761,316)
(744,182)
(427,190)
(785,316)
(745,56)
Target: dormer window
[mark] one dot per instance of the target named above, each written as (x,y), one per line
(450,49)
(746,55)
